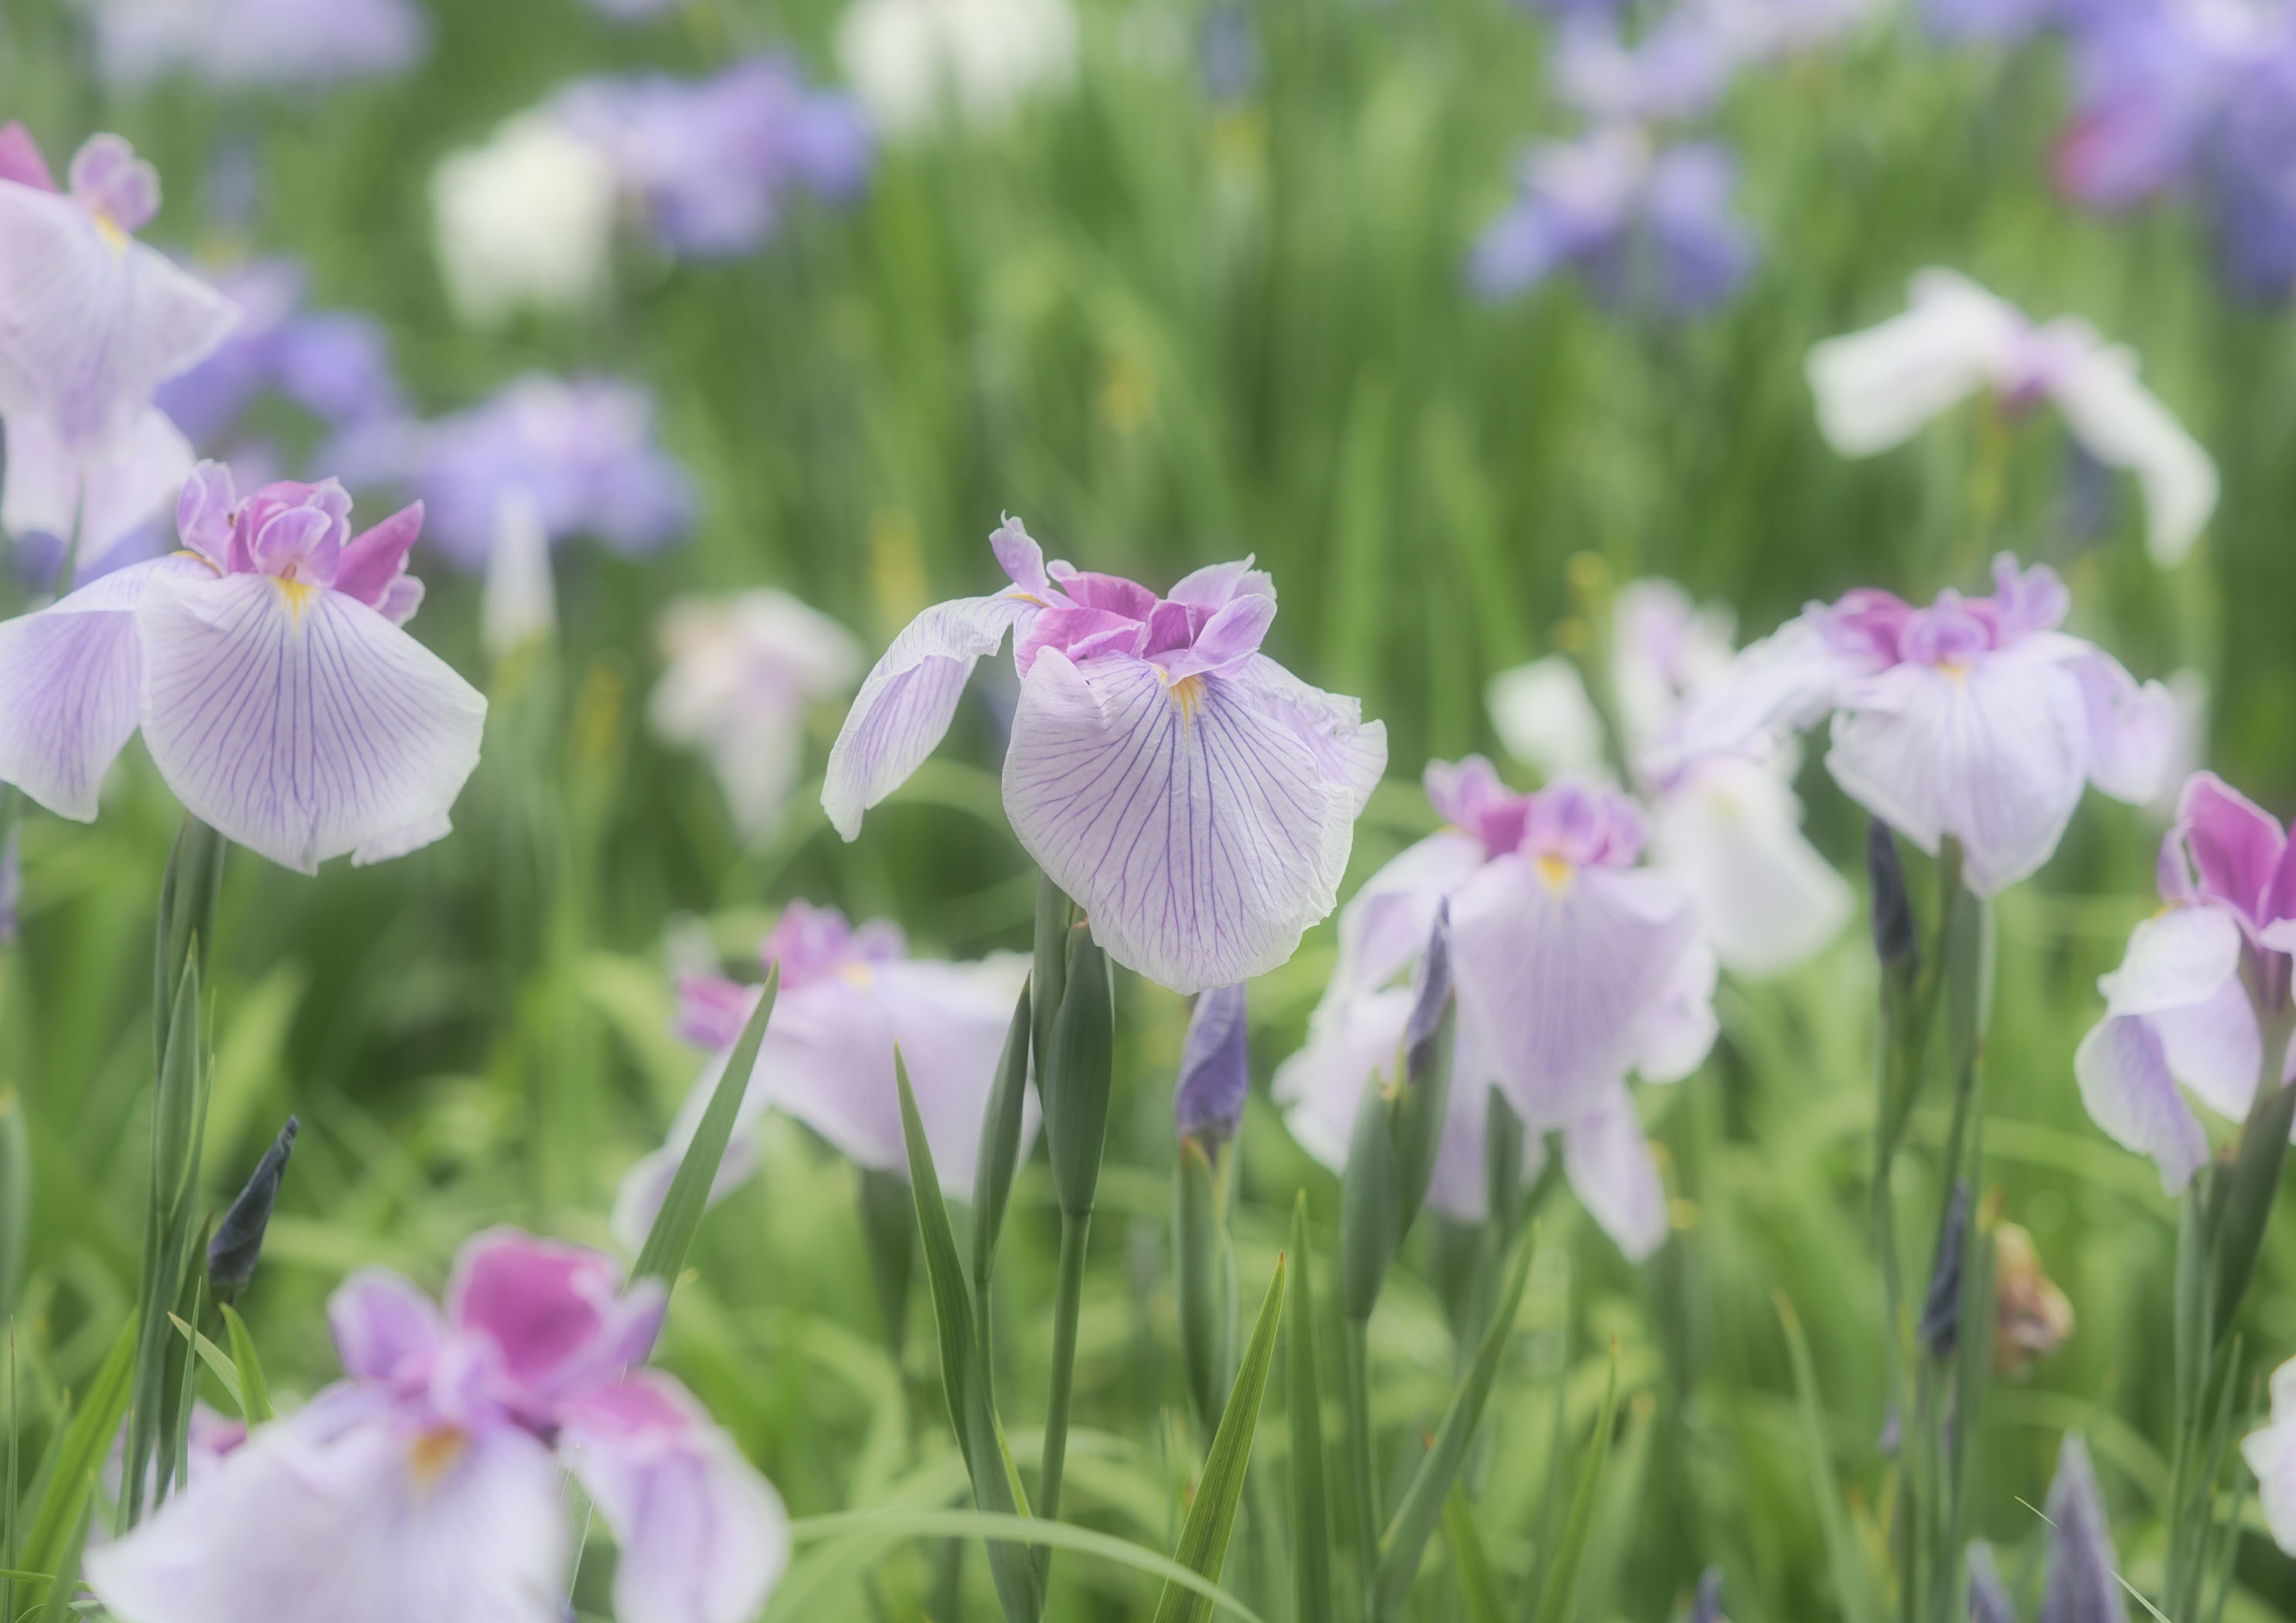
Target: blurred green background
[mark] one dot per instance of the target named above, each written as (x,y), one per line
(1167,329)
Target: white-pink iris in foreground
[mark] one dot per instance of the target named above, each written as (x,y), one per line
(1875,389)
(1198,799)
(1726,824)
(1573,966)
(847,997)
(92,322)
(1974,718)
(428,1484)
(266,665)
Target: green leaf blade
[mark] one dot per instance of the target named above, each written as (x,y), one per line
(683,1208)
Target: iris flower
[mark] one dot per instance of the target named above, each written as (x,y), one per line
(1574,968)
(1196,798)
(1974,718)
(1727,824)
(847,997)
(267,668)
(2184,1007)
(915,62)
(92,322)
(237,44)
(428,1484)
(1875,389)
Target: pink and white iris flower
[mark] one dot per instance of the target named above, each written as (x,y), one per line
(1574,968)
(1198,799)
(848,996)
(2203,981)
(1974,718)
(1726,824)
(266,665)
(428,1484)
(92,322)
(1876,388)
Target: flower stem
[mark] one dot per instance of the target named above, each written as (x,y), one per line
(1074,1231)
(1359,1453)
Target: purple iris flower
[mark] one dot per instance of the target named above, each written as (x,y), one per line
(266,666)
(2253,179)
(2184,1005)
(1575,967)
(1975,718)
(237,44)
(582,453)
(710,161)
(1645,227)
(92,322)
(847,999)
(1678,69)
(428,1484)
(1214,1068)
(1198,799)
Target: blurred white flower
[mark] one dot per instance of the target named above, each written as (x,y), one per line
(520,601)
(525,221)
(913,63)
(742,673)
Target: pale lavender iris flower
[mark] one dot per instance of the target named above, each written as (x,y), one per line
(742,674)
(707,163)
(1198,799)
(266,666)
(2201,982)
(92,322)
(429,1483)
(1974,718)
(1727,824)
(239,44)
(1646,228)
(1876,388)
(848,997)
(1575,968)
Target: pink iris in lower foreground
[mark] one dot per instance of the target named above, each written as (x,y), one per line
(847,997)
(266,665)
(2204,981)
(427,1486)
(1196,798)
(1574,968)
(1974,718)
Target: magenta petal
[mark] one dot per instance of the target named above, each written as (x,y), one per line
(549,1308)
(376,559)
(2126,1084)
(21,160)
(703,1535)
(2237,847)
(1228,639)
(1199,832)
(1614,1175)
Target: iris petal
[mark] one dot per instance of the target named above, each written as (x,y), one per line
(2126,1084)
(1614,1175)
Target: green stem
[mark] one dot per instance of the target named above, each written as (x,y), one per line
(1359,1454)
(1075,1229)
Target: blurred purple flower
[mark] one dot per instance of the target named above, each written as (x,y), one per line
(1678,69)
(1643,228)
(1214,1068)
(708,162)
(1195,798)
(267,668)
(428,1484)
(314,44)
(847,999)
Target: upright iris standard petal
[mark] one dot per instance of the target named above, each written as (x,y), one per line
(1199,834)
(298,721)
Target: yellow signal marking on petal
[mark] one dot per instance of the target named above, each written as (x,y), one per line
(1188,694)
(859,976)
(298,593)
(434,1454)
(108,230)
(1557,873)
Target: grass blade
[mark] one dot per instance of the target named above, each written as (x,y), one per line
(1555,1597)
(254,1391)
(1852,1580)
(1303,1407)
(1219,1490)
(79,1452)
(1421,1509)
(214,1357)
(682,1209)
(1478,1584)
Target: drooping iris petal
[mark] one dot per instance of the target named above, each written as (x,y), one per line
(1730,832)
(704,1538)
(1350,750)
(2175,959)
(1199,834)
(1558,969)
(2214,1048)
(378,1523)
(2271,1454)
(1613,1173)
(1679,1032)
(91,320)
(299,722)
(49,489)
(2132,729)
(907,702)
(1989,753)
(2123,425)
(73,674)
(384,1328)
(2126,1083)
(1875,388)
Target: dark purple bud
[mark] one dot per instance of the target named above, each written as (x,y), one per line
(1941,1308)
(1425,1026)
(1708,1606)
(238,1243)
(1988,1596)
(1214,1068)
(2083,1586)
(1895,943)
